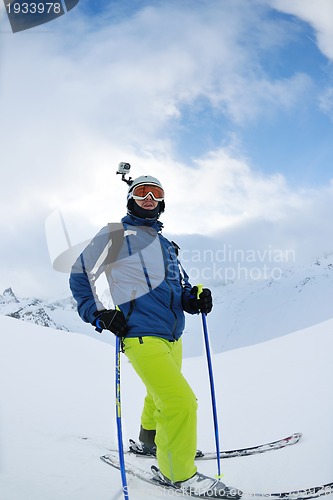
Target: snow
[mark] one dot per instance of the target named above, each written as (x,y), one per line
(57,412)
(253,311)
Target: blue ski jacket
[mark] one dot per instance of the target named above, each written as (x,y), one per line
(145,277)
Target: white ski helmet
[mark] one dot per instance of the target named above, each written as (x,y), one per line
(143,179)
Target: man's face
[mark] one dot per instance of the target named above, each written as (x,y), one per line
(147,196)
(148,203)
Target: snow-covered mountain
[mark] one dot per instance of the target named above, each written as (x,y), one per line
(32,310)
(58,313)
(244,313)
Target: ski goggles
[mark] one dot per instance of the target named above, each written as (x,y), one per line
(143,190)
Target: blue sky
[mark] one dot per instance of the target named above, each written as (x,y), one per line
(228,102)
(303,131)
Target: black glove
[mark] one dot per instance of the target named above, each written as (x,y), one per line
(113,320)
(204,303)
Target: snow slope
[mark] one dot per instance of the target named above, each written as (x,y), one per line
(57,412)
(253,311)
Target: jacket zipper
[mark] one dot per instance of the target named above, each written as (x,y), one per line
(171,290)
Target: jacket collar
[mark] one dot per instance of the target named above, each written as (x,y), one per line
(133,220)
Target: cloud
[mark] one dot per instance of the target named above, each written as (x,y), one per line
(222,200)
(131,79)
(326,102)
(222,190)
(75,101)
(318,14)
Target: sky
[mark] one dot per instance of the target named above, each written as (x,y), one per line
(228,102)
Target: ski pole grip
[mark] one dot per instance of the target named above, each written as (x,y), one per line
(200,287)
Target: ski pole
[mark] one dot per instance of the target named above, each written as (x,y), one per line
(212,387)
(118,419)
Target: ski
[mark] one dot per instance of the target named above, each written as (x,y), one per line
(154,478)
(136,449)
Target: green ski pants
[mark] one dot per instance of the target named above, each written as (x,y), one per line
(170,405)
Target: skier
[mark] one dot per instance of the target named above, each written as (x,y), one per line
(152,291)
